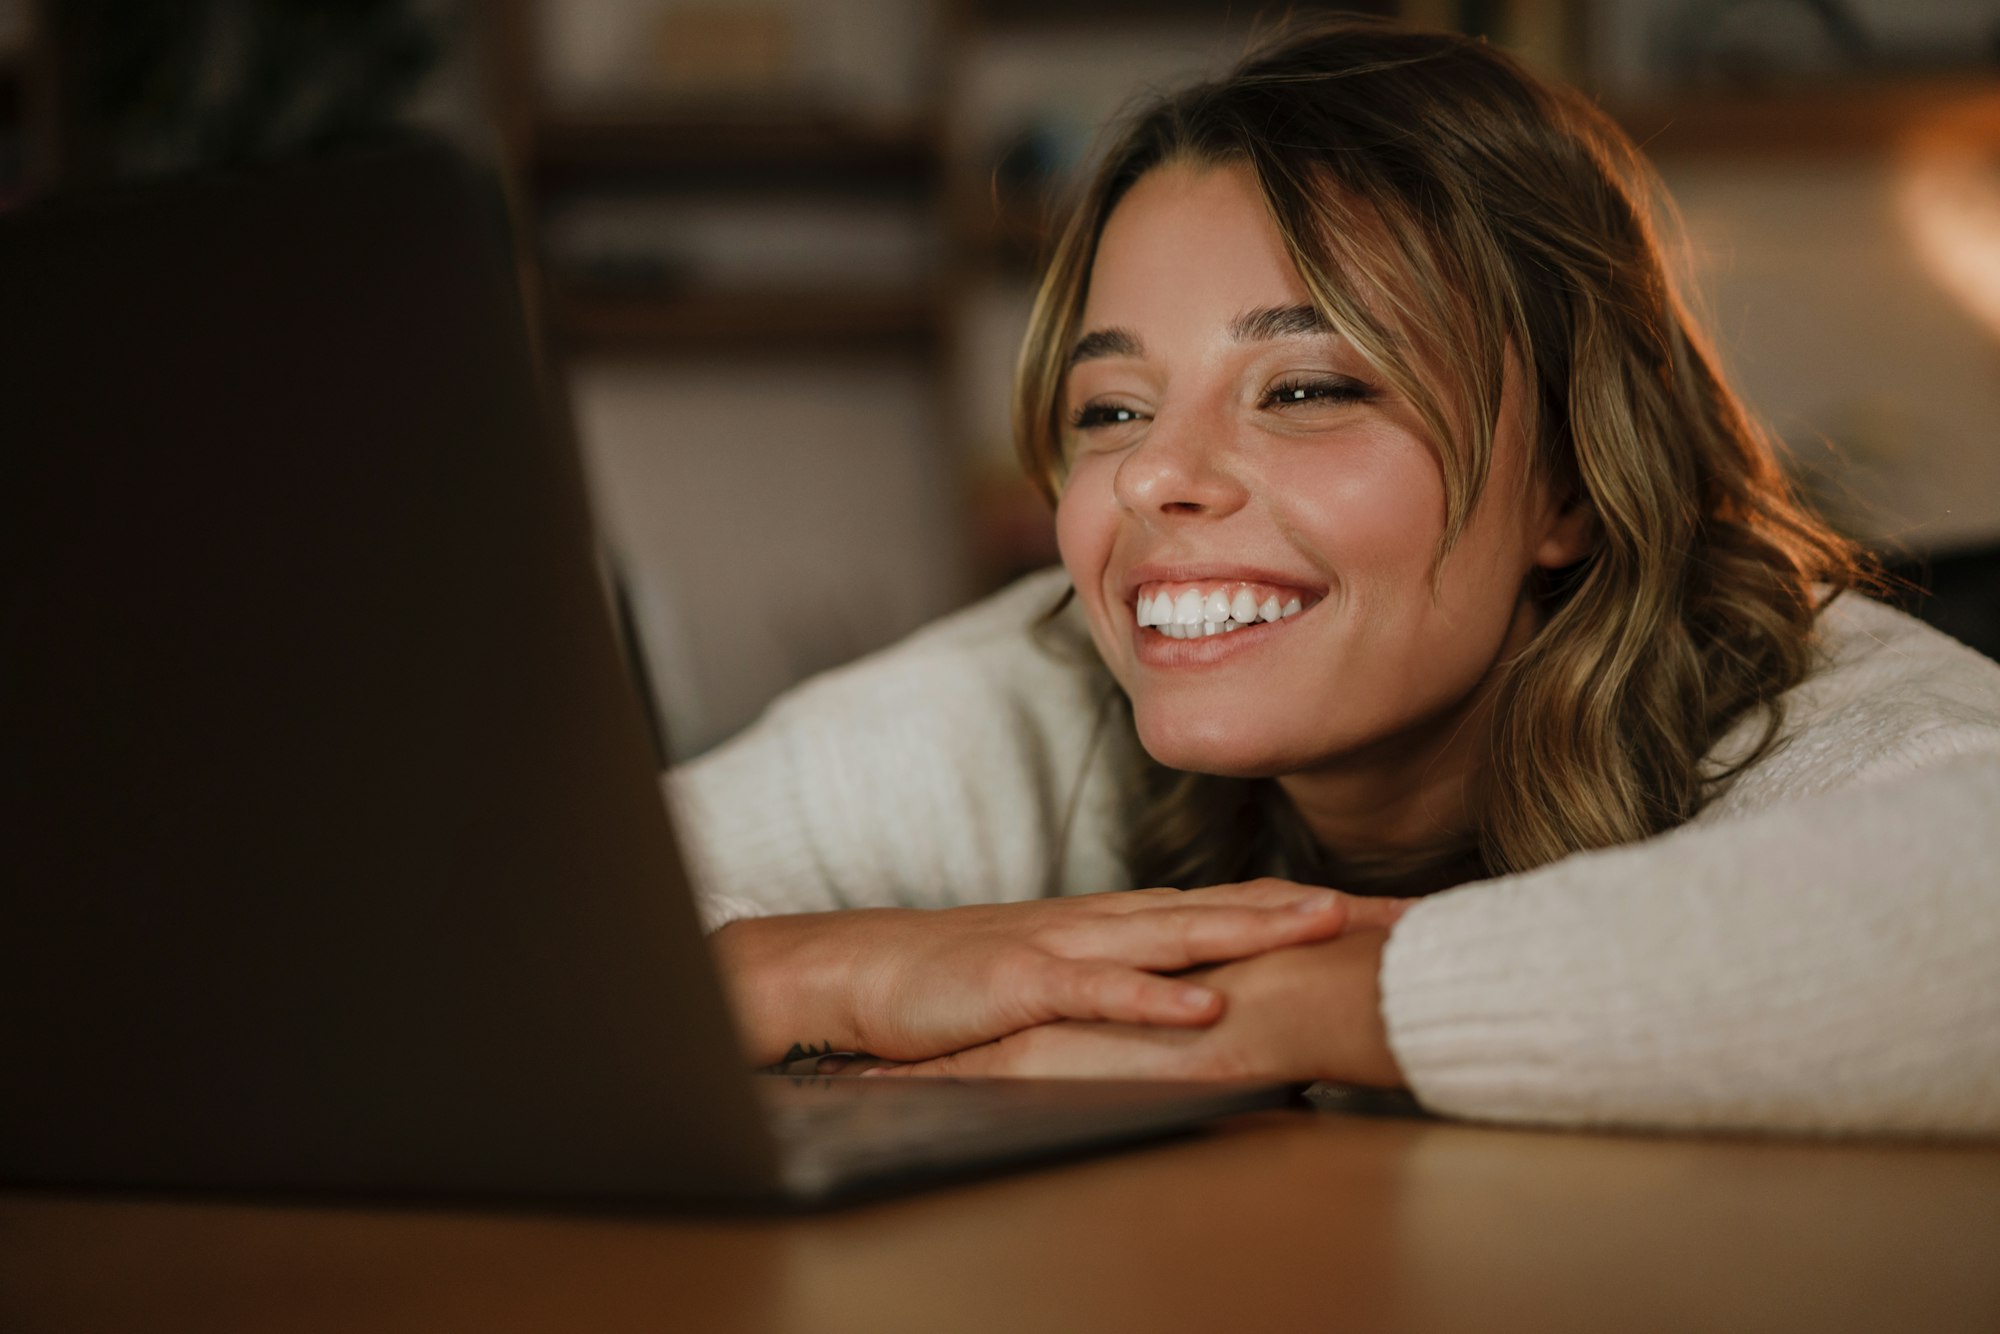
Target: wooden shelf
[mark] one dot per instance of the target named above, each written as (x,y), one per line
(1844,117)
(1056,14)
(661,147)
(593,319)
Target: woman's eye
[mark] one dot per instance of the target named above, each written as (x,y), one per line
(1093,415)
(1331,389)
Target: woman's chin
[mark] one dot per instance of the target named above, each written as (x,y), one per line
(1223,751)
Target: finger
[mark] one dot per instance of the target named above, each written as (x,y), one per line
(1169,941)
(1375,914)
(1134,900)
(1266,892)
(849,1065)
(975,1062)
(1363,912)
(1085,1051)
(1098,989)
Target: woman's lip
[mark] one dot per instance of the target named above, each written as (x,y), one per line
(1154,649)
(1140,575)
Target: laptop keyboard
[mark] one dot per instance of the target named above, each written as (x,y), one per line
(838,1129)
(893,1117)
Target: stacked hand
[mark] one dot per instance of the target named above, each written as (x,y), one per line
(1098,985)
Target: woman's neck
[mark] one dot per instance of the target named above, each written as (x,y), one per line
(1409,807)
(1403,875)
(1408,848)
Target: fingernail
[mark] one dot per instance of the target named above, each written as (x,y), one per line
(1317,903)
(1194,998)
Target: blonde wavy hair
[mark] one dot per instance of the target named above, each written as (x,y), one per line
(1445,208)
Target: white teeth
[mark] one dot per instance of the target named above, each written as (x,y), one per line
(1195,614)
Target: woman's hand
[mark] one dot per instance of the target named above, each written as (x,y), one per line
(907,984)
(1306,1013)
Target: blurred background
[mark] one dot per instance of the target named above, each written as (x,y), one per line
(784,249)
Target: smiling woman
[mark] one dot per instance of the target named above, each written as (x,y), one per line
(1411,542)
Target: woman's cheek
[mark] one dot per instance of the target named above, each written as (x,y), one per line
(1086,516)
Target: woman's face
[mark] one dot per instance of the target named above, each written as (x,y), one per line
(1235,465)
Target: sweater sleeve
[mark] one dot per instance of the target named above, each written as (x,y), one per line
(1826,965)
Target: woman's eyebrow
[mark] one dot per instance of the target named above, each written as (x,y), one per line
(1268,322)
(1106,343)
(1260,325)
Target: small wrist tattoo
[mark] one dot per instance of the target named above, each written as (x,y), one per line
(800,1051)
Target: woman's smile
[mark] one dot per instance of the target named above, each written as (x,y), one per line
(1179,647)
(1180,620)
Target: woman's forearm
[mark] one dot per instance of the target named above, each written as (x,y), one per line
(1826,965)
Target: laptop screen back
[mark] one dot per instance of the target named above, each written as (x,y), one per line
(336,856)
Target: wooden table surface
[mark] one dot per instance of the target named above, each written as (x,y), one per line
(1277,1220)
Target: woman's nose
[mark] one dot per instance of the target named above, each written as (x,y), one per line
(1180,467)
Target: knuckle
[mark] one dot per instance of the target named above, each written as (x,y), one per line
(1072,935)
(1192,930)
(1089,989)
(1110,992)
(1044,935)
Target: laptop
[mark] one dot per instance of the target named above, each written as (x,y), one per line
(336,857)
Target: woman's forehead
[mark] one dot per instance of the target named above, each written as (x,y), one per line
(1193,248)
(1190,243)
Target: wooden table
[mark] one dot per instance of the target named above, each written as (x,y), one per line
(1274,1221)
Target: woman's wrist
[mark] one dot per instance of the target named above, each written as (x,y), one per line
(1325,1003)
(1363,1055)
(789,984)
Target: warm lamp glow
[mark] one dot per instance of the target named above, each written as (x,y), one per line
(1948,199)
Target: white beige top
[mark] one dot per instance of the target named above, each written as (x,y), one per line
(1819,950)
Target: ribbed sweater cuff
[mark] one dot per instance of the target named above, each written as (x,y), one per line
(1467,1035)
(742,854)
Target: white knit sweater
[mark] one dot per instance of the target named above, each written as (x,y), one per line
(1819,950)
